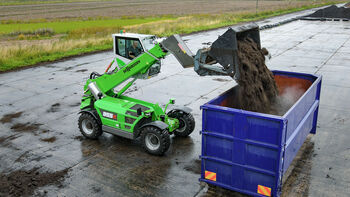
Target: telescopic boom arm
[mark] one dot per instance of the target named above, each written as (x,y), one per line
(104,84)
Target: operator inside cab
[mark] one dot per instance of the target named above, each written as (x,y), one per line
(134,50)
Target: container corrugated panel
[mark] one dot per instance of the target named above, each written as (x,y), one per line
(248,151)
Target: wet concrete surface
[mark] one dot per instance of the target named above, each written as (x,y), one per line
(39,106)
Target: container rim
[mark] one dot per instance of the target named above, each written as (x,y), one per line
(265,115)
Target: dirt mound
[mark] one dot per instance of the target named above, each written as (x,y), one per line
(257,87)
(332,12)
(24,183)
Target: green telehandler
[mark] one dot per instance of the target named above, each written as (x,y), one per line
(103,109)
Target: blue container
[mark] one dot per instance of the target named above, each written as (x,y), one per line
(249,152)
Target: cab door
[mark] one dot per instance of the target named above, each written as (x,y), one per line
(123,48)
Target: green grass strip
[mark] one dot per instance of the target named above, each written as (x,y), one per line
(24,58)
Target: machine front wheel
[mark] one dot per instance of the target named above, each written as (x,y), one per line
(154,140)
(186,121)
(89,126)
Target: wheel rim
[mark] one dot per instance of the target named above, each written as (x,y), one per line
(152,141)
(87,126)
(182,125)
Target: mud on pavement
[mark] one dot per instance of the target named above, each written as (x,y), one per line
(26,127)
(24,182)
(7,118)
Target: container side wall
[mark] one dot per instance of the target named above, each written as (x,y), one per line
(295,141)
(318,95)
(242,149)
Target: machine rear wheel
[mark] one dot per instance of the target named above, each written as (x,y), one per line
(154,140)
(89,126)
(187,123)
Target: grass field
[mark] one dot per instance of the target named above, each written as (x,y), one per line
(33,40)
(68,26)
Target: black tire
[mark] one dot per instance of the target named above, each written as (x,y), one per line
(89,126)
(154,140)
(187,123)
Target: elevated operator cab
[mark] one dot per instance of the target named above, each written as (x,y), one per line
(127,46)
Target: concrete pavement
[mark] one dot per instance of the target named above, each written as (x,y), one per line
(49,98)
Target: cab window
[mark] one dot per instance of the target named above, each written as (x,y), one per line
(134,48)
(128,48)
(121,47)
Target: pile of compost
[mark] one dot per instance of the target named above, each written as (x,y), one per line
(25,182)
(257,87)
(333,12)
(239,52)
(257,90)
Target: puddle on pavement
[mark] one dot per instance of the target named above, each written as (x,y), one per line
(194,166)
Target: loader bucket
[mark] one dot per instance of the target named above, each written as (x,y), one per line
(179,49)
(224,49)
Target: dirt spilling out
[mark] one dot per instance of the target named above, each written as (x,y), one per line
(50,139)
(9,117)
(258,90)
(257,87)
(333,11)
(26,127)
(24,182)
(54,108)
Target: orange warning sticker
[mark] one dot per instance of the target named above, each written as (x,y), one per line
(210,175)
(264,190)
(182,49)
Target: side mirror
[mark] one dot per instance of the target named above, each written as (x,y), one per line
(172,101)
(139,111)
